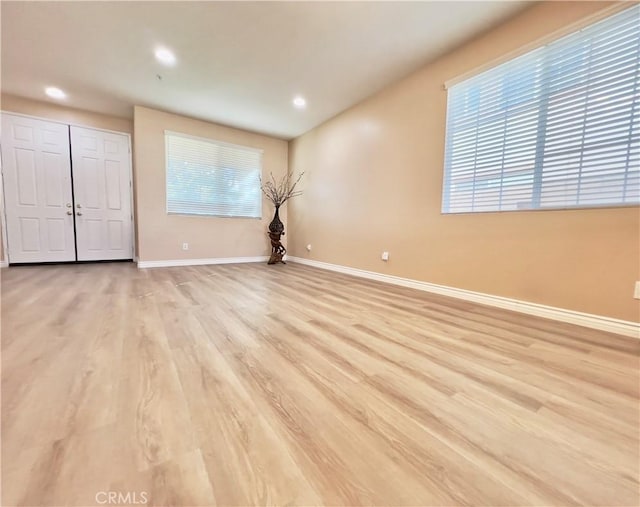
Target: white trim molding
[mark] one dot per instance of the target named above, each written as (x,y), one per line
(200,262)
(599,322)
(4,263)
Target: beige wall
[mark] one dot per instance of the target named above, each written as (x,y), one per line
(373,182)
(160,236)
(41,109)
(61,113)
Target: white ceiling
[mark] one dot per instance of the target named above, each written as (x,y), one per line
(239,63)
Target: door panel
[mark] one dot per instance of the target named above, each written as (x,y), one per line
(29,234)
(37,186)
(102,190)
(26,176)
(55,231)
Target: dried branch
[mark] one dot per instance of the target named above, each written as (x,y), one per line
(279,192)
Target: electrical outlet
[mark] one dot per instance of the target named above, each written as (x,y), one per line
(185,246)
(385,256)
(636,292)
(309,247)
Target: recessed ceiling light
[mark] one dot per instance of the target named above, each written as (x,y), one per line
(299,102)
(54,93)
(166,57)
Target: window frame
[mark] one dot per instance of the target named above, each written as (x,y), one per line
(216,142)
(542,98)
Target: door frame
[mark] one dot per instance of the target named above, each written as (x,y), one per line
(4,262)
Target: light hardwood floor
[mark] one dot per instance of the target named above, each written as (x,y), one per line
(287,385)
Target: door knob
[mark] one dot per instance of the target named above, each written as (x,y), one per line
(69,212)
(69,205)
(79,213)
(78,206)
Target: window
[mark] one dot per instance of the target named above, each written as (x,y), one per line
(206,177)
(558,127)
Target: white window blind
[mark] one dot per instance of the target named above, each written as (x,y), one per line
(558,127)
(206,177)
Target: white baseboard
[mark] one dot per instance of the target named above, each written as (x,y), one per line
(4,264)
(200,262)
(599,322)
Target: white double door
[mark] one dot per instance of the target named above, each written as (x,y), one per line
(67,192)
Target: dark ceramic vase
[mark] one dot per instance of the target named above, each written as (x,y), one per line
(276,226)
